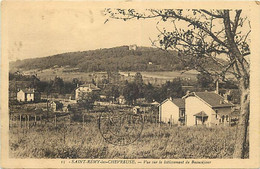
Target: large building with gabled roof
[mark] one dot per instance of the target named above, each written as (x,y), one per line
(84,89)
(206,108)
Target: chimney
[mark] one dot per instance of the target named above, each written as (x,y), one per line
(170,98)
(226,97)
(217,89)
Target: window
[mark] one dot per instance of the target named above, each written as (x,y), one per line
(182,113)
(223,118)
(227,118)
(216,114)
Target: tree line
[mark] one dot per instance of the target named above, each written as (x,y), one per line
(131,90)
(112,59)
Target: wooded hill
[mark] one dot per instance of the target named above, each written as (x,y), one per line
(117,58)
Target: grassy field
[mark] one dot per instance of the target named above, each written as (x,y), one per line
(76,141)
(48,74)
(169,75)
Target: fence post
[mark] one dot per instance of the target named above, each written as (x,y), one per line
(69,119)
(20,120)
(55,120)
(25,120)
(35,119)
(83,119)
(28,121)
(155,121)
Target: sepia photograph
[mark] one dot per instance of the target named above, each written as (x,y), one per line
(115,83)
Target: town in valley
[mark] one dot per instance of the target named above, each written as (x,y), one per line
(60,97)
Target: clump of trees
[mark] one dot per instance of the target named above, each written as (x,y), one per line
(57,85)
(205,81)
(137,89)
(111,92)
(87,100)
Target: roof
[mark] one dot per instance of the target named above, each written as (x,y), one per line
(179,102)
(155,103)
(235,113)
(56,102)
(121,97)
(212,99)
(29,91)
(74,105)
(91,86)
(201,114)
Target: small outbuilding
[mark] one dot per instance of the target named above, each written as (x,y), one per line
(121,100)
(137,109)
(56,106)
(172,111)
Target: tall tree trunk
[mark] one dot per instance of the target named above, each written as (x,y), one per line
(242,130)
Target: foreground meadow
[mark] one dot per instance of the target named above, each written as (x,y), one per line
(77,141)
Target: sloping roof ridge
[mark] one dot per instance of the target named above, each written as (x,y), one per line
(170,100)
(28,90)
(91,85)
(202,99)
(211,93)
(164,101)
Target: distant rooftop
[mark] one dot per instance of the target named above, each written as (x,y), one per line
(29,90)
(90,85)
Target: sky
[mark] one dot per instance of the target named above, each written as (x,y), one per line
(35,30)
(39,29)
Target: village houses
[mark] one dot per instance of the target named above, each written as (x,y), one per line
(28,95)
(84,89)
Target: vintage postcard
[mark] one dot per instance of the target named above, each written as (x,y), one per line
(130,84)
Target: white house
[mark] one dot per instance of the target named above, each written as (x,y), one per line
(136,109)
(56,106)
(85,88)
(121,100)
(172,111)
(132,47)
(207,108)
(28,95)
